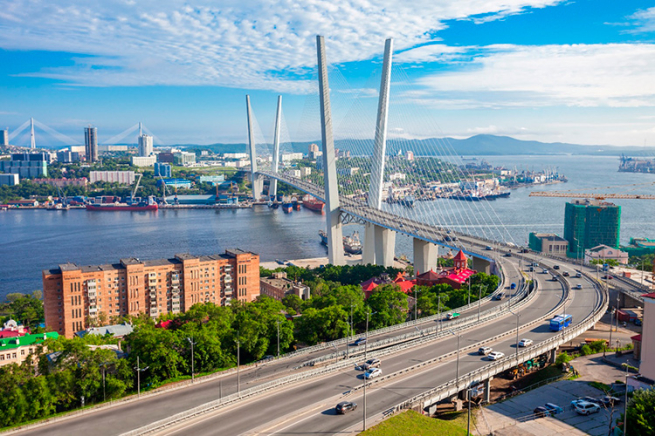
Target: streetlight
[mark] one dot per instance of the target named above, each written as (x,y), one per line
(368,314)
(625,402)
(480,298)
(469,291)
(517,315)
(457,366)
(238,365)
(103,365)
(277,321)
(192,359)
(139,370)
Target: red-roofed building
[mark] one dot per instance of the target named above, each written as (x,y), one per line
(11,329)
(455,276)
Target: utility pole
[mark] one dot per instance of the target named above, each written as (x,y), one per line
(415,303)
(468,425)
(139,370)
(625,402)
(469,291)
(192,359)
(368,314)
(238,365)
(480,298)
(278,337)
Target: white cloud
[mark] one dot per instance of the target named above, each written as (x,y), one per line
(258,44)
(605,75)
(644,20)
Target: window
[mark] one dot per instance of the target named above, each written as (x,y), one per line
(22,352)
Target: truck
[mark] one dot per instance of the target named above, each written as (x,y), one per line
(452,315)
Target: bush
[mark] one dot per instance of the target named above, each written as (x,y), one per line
(563,358)
(586,350)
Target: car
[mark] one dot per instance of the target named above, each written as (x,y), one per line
(591,400)
(541,412)
(565,273)
(610,401)
(372,373)
(553,408)
(371,363)
(525,250)
(360,341)
(555,266)
(488,248)
(508,254)
(586,408)
(495,355)
(452,315)
(499,296)
(545,271)
(530,269)
(484,350)
(525,342)
(608,277)
(578,286)
(578,275)
(344,407)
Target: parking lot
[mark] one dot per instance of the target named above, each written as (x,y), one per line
(515,415)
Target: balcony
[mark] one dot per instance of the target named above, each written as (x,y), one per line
(153,312)
(227,278)
(93,311)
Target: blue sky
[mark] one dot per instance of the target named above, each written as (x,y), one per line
(574,71)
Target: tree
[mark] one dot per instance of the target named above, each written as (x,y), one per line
(326,324)
(28,310)
(156,348)
(294,302)
(390,304)
(641,419)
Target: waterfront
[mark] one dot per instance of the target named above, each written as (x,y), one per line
(33,240)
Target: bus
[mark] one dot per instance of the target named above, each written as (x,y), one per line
(560,322)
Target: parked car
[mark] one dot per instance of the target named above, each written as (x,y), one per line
(553,408)
(372,373)
(610,401)
(495,355)
(586,408)
(484,350)
(525,342)
(345,407)
(578,286)
(541,412)
(360,341)
(371,363)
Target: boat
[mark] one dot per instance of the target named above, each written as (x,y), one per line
(312,203)
(142,206)
(58,206)
(408,201)
(480,196)
(287,206)
(275,205)
(295,203)
(351,244)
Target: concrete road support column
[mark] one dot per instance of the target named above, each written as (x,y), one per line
(553,355)
(481,265)
(332,211)
(385,246)
(257,183)
(487,389)
(272,190)
(368,251)
(425,256)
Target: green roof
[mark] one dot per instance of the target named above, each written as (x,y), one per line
(21,341)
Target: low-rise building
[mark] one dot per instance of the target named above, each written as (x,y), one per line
(116,330)
(120,177)
(646,379)
(143,161)
(17,349)
(75,296)
(397,176)
(279,286)
(548,243)
(288,157)
(305,171)
(27,165)
(82,181)
(175,183)
(12,329)
(184,158)
(603,252)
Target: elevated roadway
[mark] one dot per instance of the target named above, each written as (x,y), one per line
(308,408)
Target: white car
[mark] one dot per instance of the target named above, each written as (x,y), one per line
(484,350)
(586,408)
(495,355)
(372,373)
(525,342)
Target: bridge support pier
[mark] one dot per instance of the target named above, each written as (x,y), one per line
(481,265)
(385,246)
(425,256)
(552,355)
(368,251)
(487,389)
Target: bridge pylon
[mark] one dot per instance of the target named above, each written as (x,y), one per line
(332,206)
(272,190)
(257,182)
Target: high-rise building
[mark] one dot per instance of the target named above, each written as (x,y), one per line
(4,137)
(313,148)
(91,143)
(145,145)
(589,223)
(74,296)
(27,165)
(163,170)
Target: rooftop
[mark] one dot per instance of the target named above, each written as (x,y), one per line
(33,339)
(114,330)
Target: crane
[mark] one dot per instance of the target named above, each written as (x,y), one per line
(623,195)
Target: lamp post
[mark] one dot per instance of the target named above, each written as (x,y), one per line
(469,292)
(480,298)
(517,315)
(238,365)
(139,370)
(192,359)
(368,314)
(415,303)
(625,402)
(103,365)
(439,311)
(277,321)
(468,424)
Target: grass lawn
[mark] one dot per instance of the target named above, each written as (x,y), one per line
(411,423)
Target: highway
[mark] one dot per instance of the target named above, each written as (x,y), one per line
(150,409)
(308,408)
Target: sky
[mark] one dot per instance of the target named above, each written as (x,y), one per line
(578,71)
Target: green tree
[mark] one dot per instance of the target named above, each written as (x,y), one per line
(28,310)
(319,325)
(158,349)
(390,305)
(641,419)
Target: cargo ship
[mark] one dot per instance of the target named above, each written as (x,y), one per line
(351,244)
(123,207)
(312,203)
(480,196)
(295,203)
(287,205)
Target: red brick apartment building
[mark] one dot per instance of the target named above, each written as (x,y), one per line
(74,296)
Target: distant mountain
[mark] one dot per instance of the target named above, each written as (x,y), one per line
(478,145)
